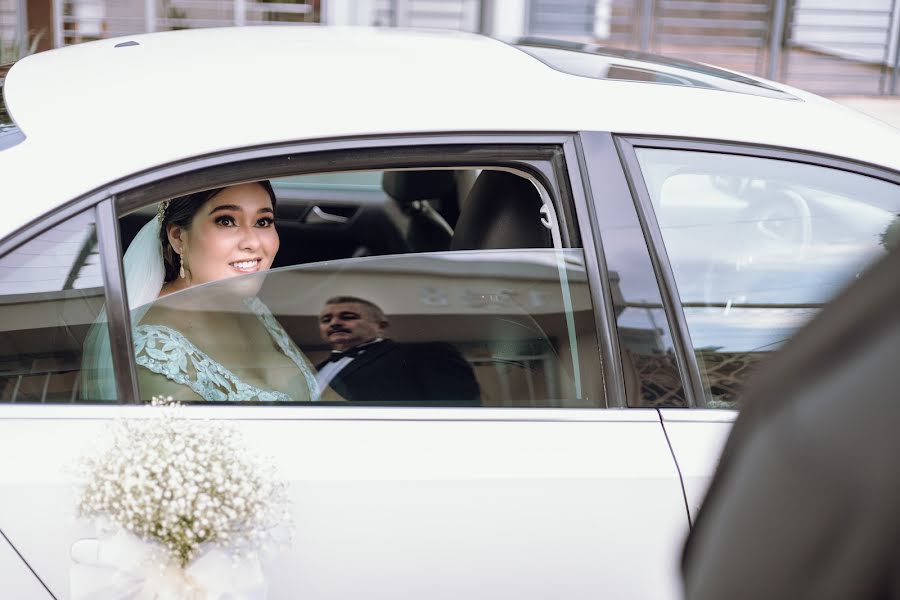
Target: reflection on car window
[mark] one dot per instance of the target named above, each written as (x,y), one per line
(51,292)
(433,287)
(596,62)
(758,245)
(652,378)
(504,328)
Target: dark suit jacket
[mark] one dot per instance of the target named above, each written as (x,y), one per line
(804,504)
(390,372)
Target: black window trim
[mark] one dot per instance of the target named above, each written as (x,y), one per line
(117,310)
(598,275)
(549,158)
(626,145)
(762,151)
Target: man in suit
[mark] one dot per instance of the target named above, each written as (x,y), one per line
(367,366)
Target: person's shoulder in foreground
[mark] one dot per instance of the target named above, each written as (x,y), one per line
(804,504)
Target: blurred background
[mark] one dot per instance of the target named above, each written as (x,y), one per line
(831,47)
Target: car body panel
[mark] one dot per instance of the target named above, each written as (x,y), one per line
(697,437)
(185,75)
(394,503)
(17,579)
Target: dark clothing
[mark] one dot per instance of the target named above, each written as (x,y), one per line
(390,372)
(804,504)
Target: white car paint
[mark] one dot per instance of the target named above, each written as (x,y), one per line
(407,503)
(217,94)
(697,438)
(16,580)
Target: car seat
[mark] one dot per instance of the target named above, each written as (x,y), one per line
(426,197)
(502,211)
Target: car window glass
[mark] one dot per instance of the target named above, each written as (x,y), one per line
(652,378)
(479,328)
(481,305)
(370,180)
(588,60)
(758,245)
(51,302)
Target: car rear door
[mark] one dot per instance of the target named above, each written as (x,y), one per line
(402,502)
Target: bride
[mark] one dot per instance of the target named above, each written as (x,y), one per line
(229,349)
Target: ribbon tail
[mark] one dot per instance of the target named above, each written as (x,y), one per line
(223,577)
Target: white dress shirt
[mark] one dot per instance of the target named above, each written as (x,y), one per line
(330,370)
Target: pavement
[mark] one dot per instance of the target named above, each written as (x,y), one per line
(883,108)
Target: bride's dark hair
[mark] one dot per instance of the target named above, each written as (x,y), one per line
(180,211)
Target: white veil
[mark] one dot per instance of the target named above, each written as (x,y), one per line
(144,276)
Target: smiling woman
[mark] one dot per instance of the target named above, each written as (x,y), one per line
(218,233)
(198,354)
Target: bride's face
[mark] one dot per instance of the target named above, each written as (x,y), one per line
(232,233)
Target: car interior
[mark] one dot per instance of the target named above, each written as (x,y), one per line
(356,214)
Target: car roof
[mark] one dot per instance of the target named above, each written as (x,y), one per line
(99,111)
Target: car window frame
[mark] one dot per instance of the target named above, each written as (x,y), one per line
(550,159)
(104,213)
(626,146)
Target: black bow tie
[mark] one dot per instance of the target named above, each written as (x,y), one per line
(351,353)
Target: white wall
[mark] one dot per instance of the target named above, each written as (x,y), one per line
(603,19)
(507,18)
(348,12)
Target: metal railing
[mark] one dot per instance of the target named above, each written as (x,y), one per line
(852,49)
(84,20)
(461,15)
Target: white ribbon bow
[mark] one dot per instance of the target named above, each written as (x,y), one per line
(120,566)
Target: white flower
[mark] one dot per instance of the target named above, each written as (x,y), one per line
(183,483)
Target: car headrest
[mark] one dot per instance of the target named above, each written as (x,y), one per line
(502,211)
(408,186)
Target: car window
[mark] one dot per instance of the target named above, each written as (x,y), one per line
(757,246)
(477,301)
(51,308)
(476,328)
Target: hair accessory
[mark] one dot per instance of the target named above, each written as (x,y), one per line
(161,210)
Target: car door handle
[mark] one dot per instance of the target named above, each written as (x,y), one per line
(317,215)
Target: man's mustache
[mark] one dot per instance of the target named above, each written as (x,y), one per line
(337,330)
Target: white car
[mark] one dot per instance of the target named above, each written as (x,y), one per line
(611,241)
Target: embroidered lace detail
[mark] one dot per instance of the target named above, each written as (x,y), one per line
(167,352)
(284,342)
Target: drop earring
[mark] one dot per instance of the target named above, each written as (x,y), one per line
(181,265)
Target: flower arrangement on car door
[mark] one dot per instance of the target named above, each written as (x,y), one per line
(182,512)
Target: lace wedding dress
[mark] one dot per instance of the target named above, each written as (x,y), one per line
(167,352)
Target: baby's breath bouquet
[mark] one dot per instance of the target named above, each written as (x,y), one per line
(182,487)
